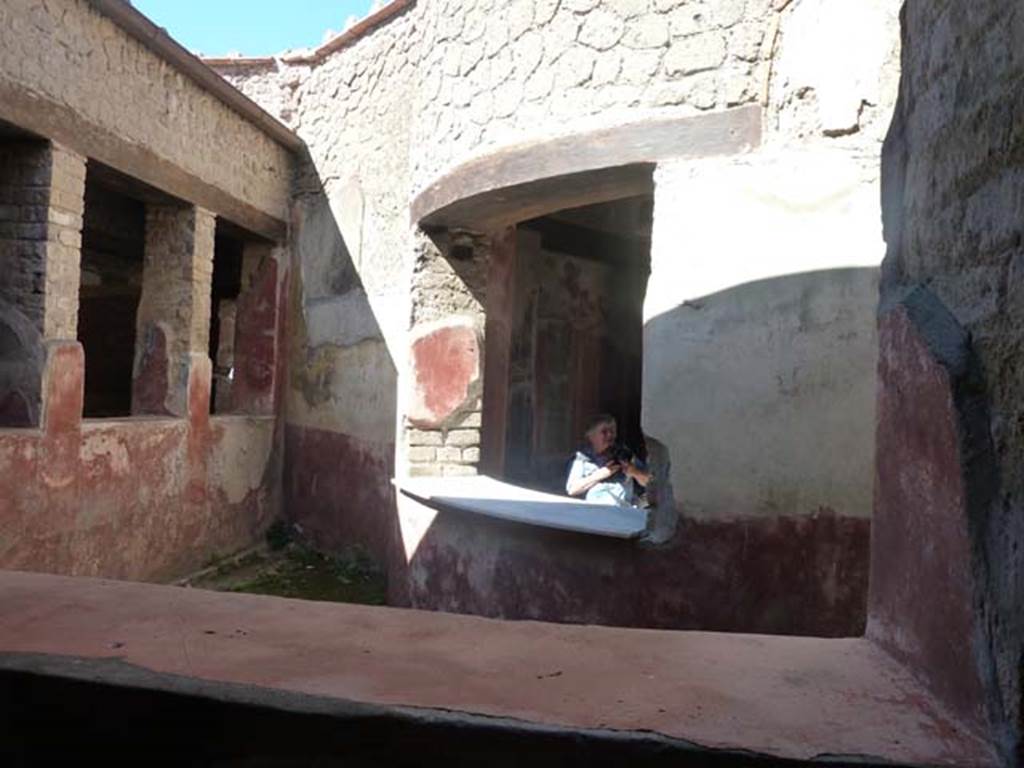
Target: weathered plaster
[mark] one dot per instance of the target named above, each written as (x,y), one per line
(953,210)
(703,698)
(70,73)
(760,345)
(143,498)
(442,86)
(241,456)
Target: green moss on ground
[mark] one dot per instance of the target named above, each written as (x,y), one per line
(295,570)
(311,575)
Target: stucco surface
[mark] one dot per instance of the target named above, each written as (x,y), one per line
(764,396)
(936,463)
(66,53)
(785,697)
(780,574)
(760,340)
(953,208)
(142,498)
(782,241)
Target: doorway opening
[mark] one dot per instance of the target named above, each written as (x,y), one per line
(576,334)
(113,250)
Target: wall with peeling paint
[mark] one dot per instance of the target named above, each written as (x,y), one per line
(759,342)
(146,498)
(951,416)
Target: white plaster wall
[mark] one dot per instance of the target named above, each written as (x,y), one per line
(724,222)
(760,343)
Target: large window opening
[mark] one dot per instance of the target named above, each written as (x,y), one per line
(576,334)
(228,257)
(113,248)
(243,322)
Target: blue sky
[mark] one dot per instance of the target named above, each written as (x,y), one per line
(250,27)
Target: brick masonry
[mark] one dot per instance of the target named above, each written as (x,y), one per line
(41,205)
(174,311)
(42,188)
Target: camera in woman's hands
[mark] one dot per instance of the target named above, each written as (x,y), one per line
(621,454)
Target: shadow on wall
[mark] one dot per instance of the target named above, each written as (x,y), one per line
(342,384)
(764,396)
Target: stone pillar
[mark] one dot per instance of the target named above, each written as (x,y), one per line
(499,328)
(42,192)
(173,318)
(64,243)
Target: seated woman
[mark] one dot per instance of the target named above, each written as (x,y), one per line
(602,471)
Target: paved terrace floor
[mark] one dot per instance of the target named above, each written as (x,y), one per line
(801,698)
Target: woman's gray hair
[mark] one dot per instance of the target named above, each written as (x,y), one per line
(596,421)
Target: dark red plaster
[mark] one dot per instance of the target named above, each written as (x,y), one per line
(255,341)
(501,296)
(63,387)
(199,392)
(281,361)
(799,574)
(131,499)
(445,364)
(151,382)
(338,490)
(921,566)
(63,393)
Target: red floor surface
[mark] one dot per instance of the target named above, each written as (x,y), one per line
(783,696)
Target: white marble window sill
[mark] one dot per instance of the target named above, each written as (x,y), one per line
(486,496)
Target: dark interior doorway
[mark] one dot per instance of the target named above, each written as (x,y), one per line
(228,257)
(113,247)
(576,334)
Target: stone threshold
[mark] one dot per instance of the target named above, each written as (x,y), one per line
(781,698)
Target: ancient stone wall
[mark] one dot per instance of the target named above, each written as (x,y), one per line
(25,176)
(83,85)
(173,317)
(496,73)
(45,186)
(953,211)
(150,499)
(42,185)
(383,308)
(354,250)
(70,73)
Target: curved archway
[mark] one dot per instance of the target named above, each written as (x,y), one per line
(528,180)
